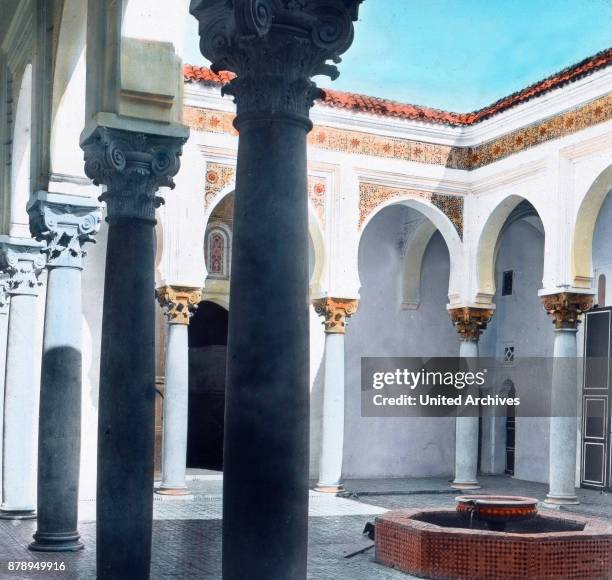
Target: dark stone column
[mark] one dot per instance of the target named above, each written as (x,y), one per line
(274,48)
(64,223)
(132,166)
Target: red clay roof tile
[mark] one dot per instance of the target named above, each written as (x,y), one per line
(388,108)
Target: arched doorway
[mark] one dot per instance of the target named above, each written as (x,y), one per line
(404,266)
(207,360)
(510,429)
(511,262)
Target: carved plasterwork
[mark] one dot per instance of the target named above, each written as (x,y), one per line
(335,312)
(317,192)
(64,227)
(133,166)
(565,308)
(218,177)
(467,158)
(372,196)
(178,302)
(470,322)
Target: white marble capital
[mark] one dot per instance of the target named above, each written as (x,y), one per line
(64,223)
(5,299)
(22,261)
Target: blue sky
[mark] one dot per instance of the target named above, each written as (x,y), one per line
(461,55)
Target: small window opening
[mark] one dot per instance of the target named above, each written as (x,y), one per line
(507,282)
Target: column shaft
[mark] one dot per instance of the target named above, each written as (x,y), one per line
(176,395)
(332,441)
(274,48)
(126,421)
(265,491)
(64,223)
(466,436)
(565,309)
(20,413)
(563,429)
(4,320)
(59,439)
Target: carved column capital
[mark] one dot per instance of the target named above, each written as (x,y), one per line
(23,262)
(178,302)
(335,311)
(274,47)
(65,223)
(133,166)
(470,322)
(565,308)
(4,296)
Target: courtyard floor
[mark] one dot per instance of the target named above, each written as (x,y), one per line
(187,533)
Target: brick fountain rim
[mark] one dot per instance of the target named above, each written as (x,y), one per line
(433,551)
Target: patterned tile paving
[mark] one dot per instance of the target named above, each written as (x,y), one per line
(187,534)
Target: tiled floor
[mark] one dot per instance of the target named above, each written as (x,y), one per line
(187,533)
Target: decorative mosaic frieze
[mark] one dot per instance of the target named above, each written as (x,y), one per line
(218,177)
(372,196)
(361,143)
(466,158)
(590,114)
(209,120)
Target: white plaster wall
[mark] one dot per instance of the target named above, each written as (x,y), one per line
(397,447)
(20,161)
(521,320)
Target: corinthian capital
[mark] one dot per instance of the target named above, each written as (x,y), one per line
(133,166)
(4,297)
(22,261)
(470,322)
(275,47)
(179,302)
(335,311)
(65,223)
(565,308)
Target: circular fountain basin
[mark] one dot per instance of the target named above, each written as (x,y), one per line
(439,544)
(497,510)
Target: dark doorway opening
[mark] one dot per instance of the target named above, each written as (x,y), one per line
(510,429)
(207,360)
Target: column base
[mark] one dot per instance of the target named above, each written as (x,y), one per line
(465,485)
(554,499)
(163,490)
(323,488)
(17,514)
(59,542)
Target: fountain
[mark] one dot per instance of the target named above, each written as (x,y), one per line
(497,511)
(494,537)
